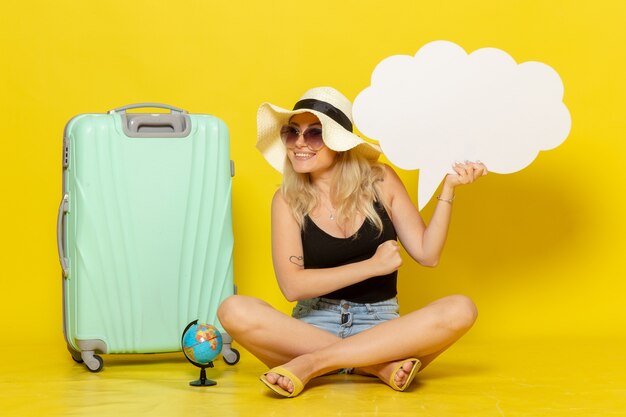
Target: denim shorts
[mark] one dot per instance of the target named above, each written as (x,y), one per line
(344,318)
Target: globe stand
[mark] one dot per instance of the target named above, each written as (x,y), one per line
(204,343)
(203,381)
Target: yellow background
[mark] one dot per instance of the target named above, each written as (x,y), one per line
(541,251)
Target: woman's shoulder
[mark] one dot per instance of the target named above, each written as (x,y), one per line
(391,179)
(390,185)
(279,199)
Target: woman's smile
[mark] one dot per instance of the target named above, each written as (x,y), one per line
(303,155)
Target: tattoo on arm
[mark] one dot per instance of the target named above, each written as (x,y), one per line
(297,260)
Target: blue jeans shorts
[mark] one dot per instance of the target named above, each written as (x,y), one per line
(344,318)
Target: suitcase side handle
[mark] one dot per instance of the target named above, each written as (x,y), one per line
(152,105)
(63,209)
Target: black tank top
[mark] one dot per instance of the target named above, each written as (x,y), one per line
(322,250)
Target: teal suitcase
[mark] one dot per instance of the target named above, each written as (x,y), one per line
(144,230)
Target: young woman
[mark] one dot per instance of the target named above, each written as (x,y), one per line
(336,221)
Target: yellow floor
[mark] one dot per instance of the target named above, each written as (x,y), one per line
(473,379)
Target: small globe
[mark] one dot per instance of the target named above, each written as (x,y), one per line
(201,343)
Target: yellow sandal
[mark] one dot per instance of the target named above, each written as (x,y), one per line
(416,367)
(297,384)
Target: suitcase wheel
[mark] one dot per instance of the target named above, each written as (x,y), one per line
(231,356)
(96,364)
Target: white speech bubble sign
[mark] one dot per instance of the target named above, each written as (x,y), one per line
(442,105)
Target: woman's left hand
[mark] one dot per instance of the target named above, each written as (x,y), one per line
(466,173)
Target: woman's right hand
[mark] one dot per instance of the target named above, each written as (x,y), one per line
(387,257)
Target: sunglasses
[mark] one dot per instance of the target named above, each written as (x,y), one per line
(312,137)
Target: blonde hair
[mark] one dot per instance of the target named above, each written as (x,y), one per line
(354,189)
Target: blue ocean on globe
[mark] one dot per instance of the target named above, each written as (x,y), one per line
(202,343)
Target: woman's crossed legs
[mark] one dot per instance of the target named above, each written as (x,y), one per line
(308,352)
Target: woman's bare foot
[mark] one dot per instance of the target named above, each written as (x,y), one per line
(301,367)
(384,371)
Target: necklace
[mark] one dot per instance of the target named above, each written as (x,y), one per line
(331,210)
(331,214)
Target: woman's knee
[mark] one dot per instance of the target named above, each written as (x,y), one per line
(467,311)
(234,311)
(462,312)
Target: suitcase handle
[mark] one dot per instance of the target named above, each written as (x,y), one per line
(176,124)
(153,105)
(63,209)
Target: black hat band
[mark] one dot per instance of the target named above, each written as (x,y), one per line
(327,109)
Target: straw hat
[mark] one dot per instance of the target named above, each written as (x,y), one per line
(333,110)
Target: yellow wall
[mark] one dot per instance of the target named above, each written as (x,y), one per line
(541,251)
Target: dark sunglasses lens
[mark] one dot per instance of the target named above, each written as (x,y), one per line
(289,135)
(313,138)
